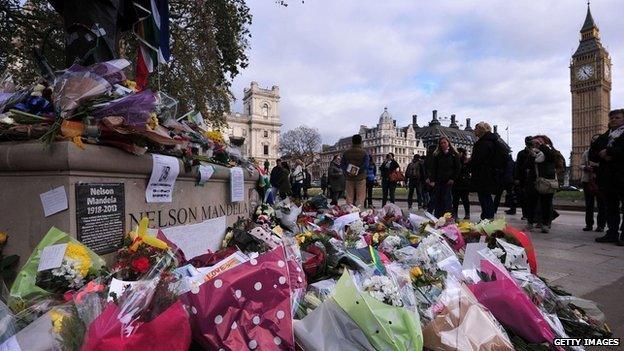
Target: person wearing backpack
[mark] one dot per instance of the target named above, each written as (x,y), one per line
(486,167)
(413,177)
(355,165)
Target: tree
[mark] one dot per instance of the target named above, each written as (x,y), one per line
(208,43)
(302,143)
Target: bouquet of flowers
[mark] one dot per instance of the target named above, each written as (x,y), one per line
(386,327)
(75,270)
(459,322)
(383,289)
(147,315)
(57,265)
(139,253)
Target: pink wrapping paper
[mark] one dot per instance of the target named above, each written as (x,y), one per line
(169,331)
(246,307)
(511,306)
(455,236)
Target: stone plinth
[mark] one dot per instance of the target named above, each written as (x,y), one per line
(27,170)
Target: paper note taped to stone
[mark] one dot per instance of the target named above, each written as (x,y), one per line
(205,172)
(54,201)
(237,184)
(51,257)
(165,170)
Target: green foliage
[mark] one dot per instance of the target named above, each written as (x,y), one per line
(208,43)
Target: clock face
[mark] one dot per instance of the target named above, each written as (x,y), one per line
(585,72)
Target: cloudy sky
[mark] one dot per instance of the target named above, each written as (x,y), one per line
(338,63)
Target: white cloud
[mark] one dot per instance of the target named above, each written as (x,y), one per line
(338,63)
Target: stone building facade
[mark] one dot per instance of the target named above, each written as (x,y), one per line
(259,124)
(404,142)
(590,85)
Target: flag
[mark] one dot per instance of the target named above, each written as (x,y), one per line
(152,30)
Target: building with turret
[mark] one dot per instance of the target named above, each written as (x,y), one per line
(590,85)
(404,142)
(259,124)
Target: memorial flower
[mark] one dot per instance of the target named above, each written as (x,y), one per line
(75,270)
(3,238)
(383,289)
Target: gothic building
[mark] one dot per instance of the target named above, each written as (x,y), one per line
(590,84)
(259,124)
(404,142)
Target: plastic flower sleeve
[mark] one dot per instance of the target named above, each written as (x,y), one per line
(245,307)
(25,286)
(461,323)
(386,327)
(149,316)
(44,333)
(511,306)
(136,109)
(525,240)
(71,89)
(8,323)
(329,328)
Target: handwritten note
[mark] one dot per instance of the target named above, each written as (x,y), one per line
(205,172)
(54,201)
(198,239)
(165,170)
(237,184)
(51,257)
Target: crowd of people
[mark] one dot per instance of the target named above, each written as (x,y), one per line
(445,176)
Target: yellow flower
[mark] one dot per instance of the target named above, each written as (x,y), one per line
(140,235)
(130,84)
(416,272)
(152,122)
(57,320)
(300,238)
(214,135)
(376,238)
(414,239)
(3,238)
(79,253)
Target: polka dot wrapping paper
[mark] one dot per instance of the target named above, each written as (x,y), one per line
(247,307)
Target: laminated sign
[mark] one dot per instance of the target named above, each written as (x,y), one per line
(165,170)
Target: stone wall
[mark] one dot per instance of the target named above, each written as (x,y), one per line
(27,170)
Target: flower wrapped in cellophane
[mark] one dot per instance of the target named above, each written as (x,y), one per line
(246,306)
(58,264)
(461,323)
(147,315)
(139,253)
(386,327)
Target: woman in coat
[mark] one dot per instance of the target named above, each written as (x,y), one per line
(540,163)
(336,180)
(445,170)
(283,180)
(388,187)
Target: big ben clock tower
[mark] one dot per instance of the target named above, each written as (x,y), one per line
(590,84)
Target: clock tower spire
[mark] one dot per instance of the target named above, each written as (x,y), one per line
(590,85)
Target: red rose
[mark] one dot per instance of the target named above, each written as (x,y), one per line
(140,264)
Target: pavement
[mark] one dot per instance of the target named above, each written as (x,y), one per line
(569,258)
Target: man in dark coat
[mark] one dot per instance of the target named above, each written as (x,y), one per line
(484,179)
(520,174)
(608,152)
